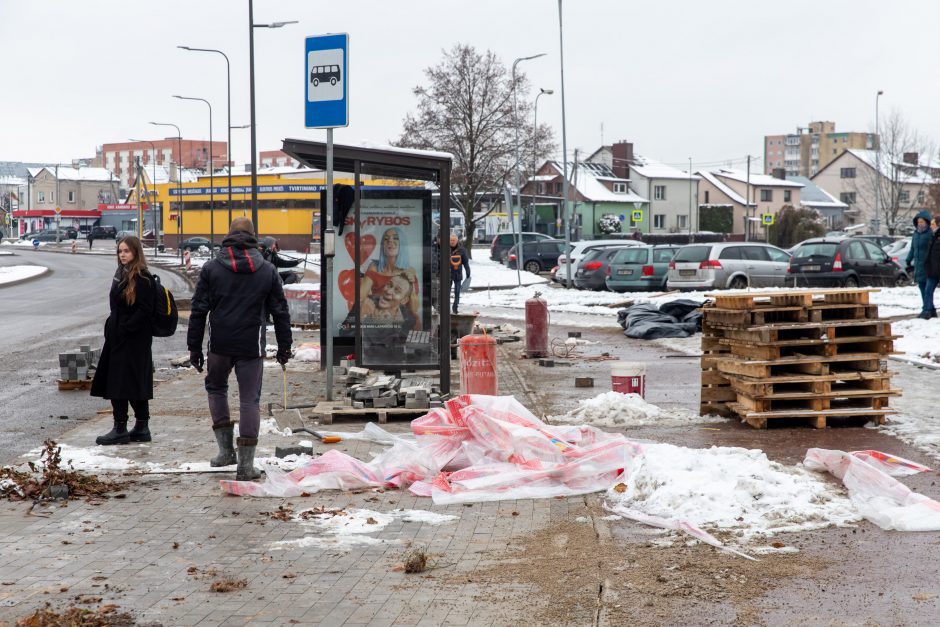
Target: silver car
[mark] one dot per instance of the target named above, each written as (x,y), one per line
(733,265)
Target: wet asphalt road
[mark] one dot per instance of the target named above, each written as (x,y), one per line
(39,319)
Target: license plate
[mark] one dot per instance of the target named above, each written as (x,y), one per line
(624,272)
(686,272)
(811,268)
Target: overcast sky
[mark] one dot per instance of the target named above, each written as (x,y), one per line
(682,78)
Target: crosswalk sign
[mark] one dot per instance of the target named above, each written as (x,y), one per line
(637,215)
(767,219)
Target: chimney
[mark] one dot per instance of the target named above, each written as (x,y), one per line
(779,173)
(622,153)
(911,158)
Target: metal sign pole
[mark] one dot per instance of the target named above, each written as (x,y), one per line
(329,269)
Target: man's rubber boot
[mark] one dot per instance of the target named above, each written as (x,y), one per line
(246,460)
(117,435)
(223,436)
(141,430)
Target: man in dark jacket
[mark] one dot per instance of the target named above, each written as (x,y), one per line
(920,241)
(269,250)
(237,290)
(459,262)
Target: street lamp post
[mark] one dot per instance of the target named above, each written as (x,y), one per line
(517,223)
(877,225)
(228,146)
(564,148)
(153,204)
(690,200)
(251,87)
(179,184)
(535,129)
(211,172)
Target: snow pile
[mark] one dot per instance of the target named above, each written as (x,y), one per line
(726,488)
(489,274)
(614,409)
(85,459)
(920,341)
(10,274)
(343,529)
(307,352)
(921,431)
(897,301)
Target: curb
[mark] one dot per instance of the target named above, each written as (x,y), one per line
(27,279)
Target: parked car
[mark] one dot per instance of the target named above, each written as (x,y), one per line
(499,248)
(878,240)
(594,268)
(846,262)
(195,243)
(733,265)
(579,249)
(103,232)
(539,256)
(639,268)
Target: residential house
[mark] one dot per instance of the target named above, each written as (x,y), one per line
(76,192)
(735,199)
(904,182)
(834,213)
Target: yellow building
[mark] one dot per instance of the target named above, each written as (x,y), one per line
(288,204)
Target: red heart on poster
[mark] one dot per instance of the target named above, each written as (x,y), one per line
(347,285)
(350,240)
(366,246)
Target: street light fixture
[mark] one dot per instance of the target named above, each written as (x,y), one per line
(251,83)
(228,149)
(211,170)
(179,184)
(153,204)
(877,225)
(535,127)
(517,222)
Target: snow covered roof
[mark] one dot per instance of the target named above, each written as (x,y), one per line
(587,182)
(723,188)
(543,177)
(286,169)
(870,158)
(12,180)
(68,173)
(653,169)
(756,179)
(814,196)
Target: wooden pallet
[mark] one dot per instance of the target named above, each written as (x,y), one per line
(798,348)
(738,318)
(790,298)
(809,384)
(816,418)
(810,364)
(855,398)
(326,412)
(801,331)
(74,384)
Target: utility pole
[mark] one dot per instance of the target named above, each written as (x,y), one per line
(877,220)
(564,146)
(691,237)
(747,201)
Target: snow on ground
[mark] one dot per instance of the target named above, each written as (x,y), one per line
(691,345)
(6,253)
(920,341)
(21,242)
(489,274)
(344,529)
(921,430)
(9,274)
(730,488)
(85,459)
(613,409)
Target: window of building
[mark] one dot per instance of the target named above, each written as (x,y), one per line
(52,197)
(71,196)
(557,188)
(847,197)
(766,195)
(847,173)
(904,196)
(659,192)
(706,196)
(920,198)
(682,221)
(786,195)
(41,196)
(659,221)
(620,188)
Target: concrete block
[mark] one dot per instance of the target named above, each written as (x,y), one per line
(284,451)
(574,334)
(413,403)
(358,405)
(357,373)
(584,382)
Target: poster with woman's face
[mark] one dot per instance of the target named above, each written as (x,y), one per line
(385,287)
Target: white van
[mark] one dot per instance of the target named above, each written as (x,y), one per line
(579,249)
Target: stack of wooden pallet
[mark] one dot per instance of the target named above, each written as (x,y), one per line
(809,355)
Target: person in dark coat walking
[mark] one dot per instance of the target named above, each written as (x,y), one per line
(932,264)
(236,291)
(459,262)
(124,374)
(920,241)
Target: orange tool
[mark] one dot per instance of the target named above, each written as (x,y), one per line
(326,439)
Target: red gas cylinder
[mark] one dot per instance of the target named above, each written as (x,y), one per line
(536,327)
(478,365)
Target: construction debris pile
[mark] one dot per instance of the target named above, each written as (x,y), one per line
(677,318)
(366,389)
(74,364)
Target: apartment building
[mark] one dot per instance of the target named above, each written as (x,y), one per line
(119,158)
(811,148)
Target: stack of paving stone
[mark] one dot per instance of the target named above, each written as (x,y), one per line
(806,355)
(367,389)
(75,363)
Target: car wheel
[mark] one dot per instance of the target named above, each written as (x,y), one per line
(901,280)
(738,283)
(850,282)
(533,267)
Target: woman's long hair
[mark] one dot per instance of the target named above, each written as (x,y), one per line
(401,262)
(136,268)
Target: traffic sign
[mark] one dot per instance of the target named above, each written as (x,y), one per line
(637,215)
(767,219)
(58,210)
(326,80)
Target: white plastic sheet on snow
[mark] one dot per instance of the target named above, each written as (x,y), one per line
(615,409)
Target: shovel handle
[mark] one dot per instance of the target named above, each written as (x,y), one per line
(331,439)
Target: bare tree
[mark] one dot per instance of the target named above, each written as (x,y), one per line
(466,109)
(902,183)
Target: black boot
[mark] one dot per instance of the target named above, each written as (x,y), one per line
(141,430)
(117,435)
(246,470)
(223,437)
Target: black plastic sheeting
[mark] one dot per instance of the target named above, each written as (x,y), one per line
(677,318)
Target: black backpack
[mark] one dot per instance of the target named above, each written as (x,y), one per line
(165,314)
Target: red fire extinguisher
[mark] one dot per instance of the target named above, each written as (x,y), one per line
(536,327)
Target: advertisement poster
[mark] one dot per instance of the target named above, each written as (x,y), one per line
(386,288)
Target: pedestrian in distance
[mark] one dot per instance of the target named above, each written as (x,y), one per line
(236,291)
(124,374)
(91,241)
(920,242)
(459,263)
(932,264)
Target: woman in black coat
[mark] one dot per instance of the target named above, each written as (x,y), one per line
(125,370)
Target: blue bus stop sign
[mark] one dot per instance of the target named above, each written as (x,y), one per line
(327,81)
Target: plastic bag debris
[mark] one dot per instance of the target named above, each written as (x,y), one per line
(878,496)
